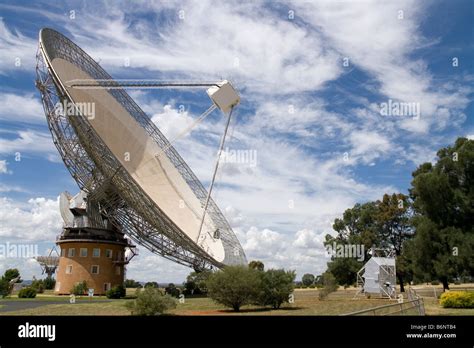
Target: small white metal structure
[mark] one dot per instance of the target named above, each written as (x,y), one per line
(378,275)
(49,263)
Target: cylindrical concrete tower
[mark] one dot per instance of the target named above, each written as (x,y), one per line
(92,249)
(91,255)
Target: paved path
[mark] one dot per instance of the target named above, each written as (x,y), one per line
(18,305)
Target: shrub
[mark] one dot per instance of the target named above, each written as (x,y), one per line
(234,286)
(38,285)
(330,285)
(276,287)
(27,293)
(435,282)
(49,283)
(79,288)
(312,286)
(457,299)
(117,291)
(150,301)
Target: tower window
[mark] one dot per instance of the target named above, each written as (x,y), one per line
(96,252)
(83,252)
(108,253)
(71,252)
(69,269)
(117,270)
(95,269)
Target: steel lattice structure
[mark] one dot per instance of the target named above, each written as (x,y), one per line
(100,174)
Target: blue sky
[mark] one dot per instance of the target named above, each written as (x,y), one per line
(313,78)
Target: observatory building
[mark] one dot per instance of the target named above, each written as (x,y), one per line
(92,249)
(133,181)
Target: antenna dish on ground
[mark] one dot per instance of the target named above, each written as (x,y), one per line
(130,172)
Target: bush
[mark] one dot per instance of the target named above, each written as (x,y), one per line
(457,299)
(435,282)
(276,287)
(117,291)
(38,285)
(49,283)
(330,285)
(234,286)
(79,289)
(151,285)
(27,293)
(150,301)
(312,286)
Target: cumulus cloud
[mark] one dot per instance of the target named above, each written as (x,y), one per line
(21,108)
(36,220)
(30,142)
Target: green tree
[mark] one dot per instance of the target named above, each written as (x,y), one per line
(394,226)
(356,227)
(5,288)
(308,279)
(130,283)
(234,286)
(276,287)
(329,285)
(443,200)
(257,265)
(151,284)
(11,274)
(172,290)
(49,283)
(196,282)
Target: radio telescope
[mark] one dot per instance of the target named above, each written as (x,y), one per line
(131,174)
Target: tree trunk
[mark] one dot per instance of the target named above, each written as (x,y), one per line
(444,280)
(400,280)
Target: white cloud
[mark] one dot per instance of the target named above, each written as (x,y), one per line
(368,146)
(308,239)
(379,39)
(30,142)
(36,220)
(21,108)
(3,167)
(18,52)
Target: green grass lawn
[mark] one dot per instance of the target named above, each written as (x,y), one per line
(306,302)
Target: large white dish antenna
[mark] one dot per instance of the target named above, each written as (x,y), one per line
(125,164)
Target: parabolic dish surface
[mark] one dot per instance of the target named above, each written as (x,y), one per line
(136,146)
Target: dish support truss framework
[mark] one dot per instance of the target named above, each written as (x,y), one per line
(109,186)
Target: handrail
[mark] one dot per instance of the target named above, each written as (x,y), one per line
(419,302)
